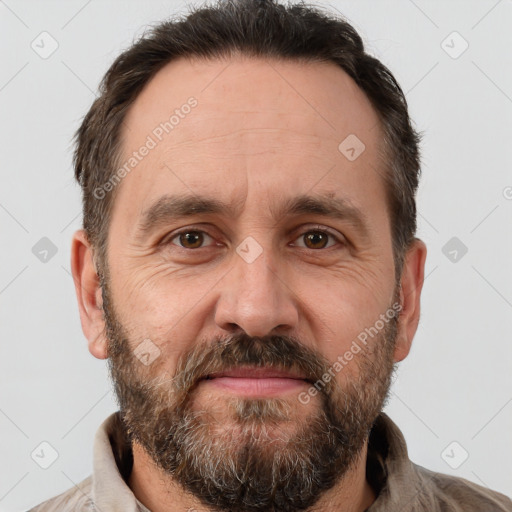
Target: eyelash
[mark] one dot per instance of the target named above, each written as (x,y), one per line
(318,229)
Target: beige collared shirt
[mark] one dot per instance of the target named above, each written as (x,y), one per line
(401,485)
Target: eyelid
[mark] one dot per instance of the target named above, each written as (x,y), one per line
(168,239)
(323,229)
(340,239)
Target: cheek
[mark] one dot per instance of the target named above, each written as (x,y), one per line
(341,311)
(157,294)
(153,303)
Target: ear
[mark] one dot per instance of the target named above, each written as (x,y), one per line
(88,293)
(413,272)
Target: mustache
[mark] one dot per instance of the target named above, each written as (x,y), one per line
(273,352)
(280,353)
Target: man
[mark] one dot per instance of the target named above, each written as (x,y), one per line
(249,267)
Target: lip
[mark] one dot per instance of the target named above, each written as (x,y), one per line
(256,373)
(256,382)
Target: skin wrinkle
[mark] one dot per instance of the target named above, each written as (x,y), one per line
(169,209)
(194,445)
(363,274)
(134,402)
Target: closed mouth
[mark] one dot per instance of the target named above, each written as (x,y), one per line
(257,373)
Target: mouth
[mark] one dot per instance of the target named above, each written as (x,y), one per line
(250,381)
(257,373)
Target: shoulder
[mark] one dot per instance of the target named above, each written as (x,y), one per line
(76,499)
(456,494)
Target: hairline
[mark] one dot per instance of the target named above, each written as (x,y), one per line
(385,154)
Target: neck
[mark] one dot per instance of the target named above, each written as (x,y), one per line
(160,493)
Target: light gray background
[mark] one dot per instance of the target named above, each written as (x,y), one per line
(456,383)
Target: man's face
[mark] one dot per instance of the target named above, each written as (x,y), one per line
(258,284)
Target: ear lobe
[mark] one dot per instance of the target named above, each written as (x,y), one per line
(413,273)
(88,293)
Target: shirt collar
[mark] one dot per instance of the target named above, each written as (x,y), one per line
(112,465)
(389,469)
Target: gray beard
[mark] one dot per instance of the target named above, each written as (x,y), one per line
(263,455)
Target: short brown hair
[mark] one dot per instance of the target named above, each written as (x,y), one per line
(261,28)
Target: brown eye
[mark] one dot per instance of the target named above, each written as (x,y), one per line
(190,239)
(317,239)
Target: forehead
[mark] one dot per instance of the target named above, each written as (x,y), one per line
(244,125)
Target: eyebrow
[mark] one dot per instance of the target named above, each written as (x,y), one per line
(170,208)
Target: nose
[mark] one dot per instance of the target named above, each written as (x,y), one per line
(256,298)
